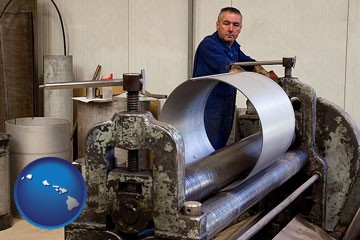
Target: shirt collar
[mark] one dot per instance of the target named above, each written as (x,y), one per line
(216,36)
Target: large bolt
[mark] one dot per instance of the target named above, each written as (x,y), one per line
(133,85)
(134,160)
(129,214)
(131,82)
(289,64)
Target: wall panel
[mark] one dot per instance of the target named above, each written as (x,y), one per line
(205,16)
(158,42)
(352,97)
(95,34)
(306,29)
(121,36)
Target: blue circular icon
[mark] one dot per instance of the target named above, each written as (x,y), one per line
(50,192)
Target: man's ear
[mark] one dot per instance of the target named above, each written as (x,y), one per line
(217,25)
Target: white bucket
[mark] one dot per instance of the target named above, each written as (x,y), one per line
(34,138)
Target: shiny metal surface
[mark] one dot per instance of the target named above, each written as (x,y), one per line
(279,208)
(82,84)
(226,206)
(192,208)
(184,109)
(222,167)
(271,62)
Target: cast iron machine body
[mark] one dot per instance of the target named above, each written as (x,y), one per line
(192,192)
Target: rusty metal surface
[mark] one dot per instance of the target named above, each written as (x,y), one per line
(93,113)
(338,138)
(304,98)
(160,199)
(130,199)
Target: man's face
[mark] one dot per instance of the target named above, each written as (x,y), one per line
(229,26)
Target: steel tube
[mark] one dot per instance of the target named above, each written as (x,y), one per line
(222,167)
(272,62)
(82,84)
(270,215)
(226,206)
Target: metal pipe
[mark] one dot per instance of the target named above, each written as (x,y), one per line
(287,62)
(274,212)
(82,84)
(226,206)
(222,167)
(271,62)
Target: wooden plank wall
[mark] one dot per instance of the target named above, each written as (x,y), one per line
(127,35)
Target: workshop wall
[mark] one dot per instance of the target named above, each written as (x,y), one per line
(122,36)
(323,35)
(127,35)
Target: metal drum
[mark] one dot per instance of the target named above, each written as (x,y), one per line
(5,215)
(34,138)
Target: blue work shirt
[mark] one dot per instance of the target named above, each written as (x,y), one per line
(214,56)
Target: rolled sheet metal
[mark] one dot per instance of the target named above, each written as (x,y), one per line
(222,167)
(184,109)
(226,206)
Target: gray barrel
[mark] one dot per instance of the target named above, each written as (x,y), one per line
(34,138)
(5,215)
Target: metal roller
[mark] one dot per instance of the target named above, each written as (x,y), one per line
(184,109)
(226,206)
(222,167)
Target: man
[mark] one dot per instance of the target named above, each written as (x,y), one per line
(214,55)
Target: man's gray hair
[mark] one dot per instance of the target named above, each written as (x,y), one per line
(229,9)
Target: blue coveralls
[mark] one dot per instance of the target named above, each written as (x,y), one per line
(214,56)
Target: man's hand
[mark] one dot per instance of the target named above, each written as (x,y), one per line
(258,69)
(261,70)
(271,74)
(236,69)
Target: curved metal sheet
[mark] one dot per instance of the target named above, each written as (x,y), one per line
(184,109)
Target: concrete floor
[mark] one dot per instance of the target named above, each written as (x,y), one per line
(23,230)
